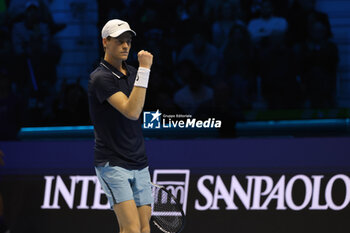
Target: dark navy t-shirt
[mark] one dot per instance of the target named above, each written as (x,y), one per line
(118,140)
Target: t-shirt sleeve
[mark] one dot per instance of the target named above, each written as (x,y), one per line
(105,87)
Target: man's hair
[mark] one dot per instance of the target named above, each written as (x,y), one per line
(108,38)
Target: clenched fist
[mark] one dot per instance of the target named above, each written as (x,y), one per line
(145,59)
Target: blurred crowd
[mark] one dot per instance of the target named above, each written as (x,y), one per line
(212,58)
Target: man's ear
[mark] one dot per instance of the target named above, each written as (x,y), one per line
(104,42)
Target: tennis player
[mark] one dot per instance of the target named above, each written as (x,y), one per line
(116,98)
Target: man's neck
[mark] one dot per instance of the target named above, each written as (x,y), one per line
(118,64)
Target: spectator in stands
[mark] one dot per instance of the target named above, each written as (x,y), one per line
(211,8)
(35,49)
(203,54)
(229,15)
(252,8)
(30,33)
(190,10)
(298,20)
(17,10)
(262,27)
(221,107)
(282,7)
(318,57)
(278,71)
(189,17)
(236,66)
(129,10)
(195,92)
(6,53)
(154,43)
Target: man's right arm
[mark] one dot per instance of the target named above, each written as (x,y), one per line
(132,107)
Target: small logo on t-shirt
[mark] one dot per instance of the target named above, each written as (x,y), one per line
(151,120)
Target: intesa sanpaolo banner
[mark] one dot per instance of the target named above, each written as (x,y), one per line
(242,185)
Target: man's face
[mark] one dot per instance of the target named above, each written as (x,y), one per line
(118,47)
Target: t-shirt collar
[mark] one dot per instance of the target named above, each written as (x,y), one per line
(114,70)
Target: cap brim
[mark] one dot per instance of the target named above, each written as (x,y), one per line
(118,33)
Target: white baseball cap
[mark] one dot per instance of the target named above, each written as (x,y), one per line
(115,28)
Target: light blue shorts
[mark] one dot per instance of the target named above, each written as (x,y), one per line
(121,184)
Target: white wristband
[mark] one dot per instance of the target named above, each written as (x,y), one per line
(142,77)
